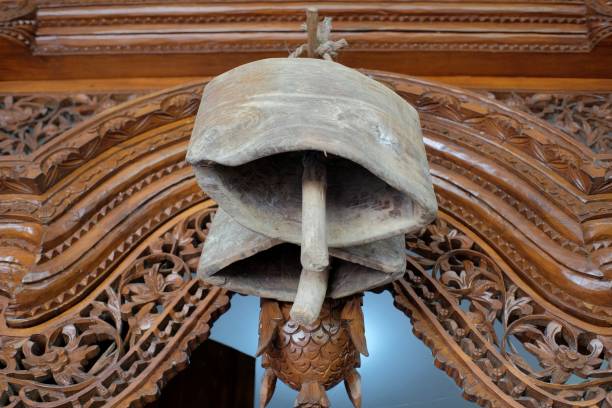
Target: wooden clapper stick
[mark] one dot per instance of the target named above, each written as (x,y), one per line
(312,286)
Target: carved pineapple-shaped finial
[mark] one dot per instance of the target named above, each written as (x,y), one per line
(311,359)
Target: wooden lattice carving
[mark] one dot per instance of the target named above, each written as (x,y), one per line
(481,328)
(101,226)
(29,121)
(132,333)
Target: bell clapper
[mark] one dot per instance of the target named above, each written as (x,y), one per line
(312,286)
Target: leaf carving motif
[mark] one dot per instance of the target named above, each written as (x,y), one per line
(92,355)
(27,122)
(535,358)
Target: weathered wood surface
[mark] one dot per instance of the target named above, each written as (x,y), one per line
(314,249)
(314,252)
(274,273)
(255,119)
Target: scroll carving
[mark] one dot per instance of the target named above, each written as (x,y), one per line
(27,122)
(478,134)
(520,349)
(54,164)
(135,331)
(586,117)
(516,269)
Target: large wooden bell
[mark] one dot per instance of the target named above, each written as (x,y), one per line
(277,136)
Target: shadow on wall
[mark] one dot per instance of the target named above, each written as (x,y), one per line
(398,374)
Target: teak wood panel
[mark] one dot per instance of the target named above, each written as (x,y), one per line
(67,39)
(102,227)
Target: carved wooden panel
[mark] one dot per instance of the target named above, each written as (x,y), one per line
(130,335)
(29,121)
(481,326)
(69,27)
(382,35)
(102,226)
(586,117)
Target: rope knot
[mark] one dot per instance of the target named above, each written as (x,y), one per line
(325,47)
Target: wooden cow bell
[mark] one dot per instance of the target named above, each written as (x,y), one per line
(307,152)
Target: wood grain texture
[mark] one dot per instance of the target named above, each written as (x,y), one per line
(49,40)
(543,198)
(107,214)
(142,85)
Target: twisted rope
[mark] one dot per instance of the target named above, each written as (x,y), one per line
(326,48)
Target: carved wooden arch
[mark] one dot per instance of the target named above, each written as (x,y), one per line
(103,225)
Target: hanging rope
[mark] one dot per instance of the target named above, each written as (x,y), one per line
(319,44)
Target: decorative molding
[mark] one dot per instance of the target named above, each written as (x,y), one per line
(28,121)
(52,165)
(93,27)
(18,22)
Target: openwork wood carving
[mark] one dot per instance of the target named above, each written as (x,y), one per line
(586,117)
(522,255)
(131,334)
(502,344)
(29,121)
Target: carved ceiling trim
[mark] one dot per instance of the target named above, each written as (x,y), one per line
(94,27)
(538,197)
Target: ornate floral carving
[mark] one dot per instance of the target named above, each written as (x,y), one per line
(55,163)
(585,117)
(141,322)
(29,121)
(509,129)
(66,175)
(522,349)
